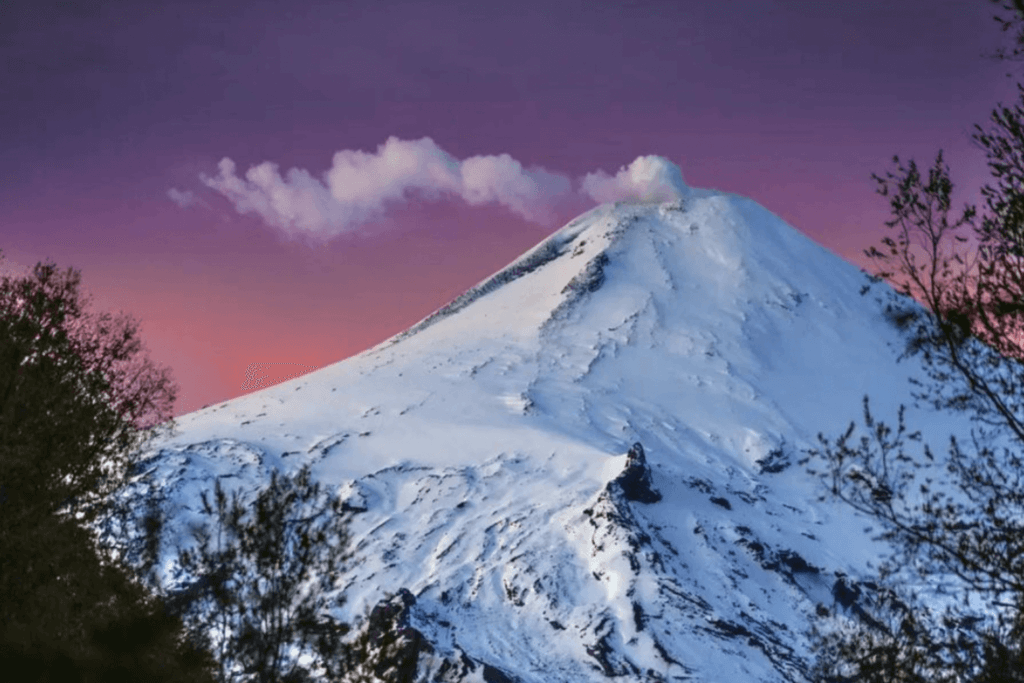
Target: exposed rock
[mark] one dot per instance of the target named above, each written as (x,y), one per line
(493,675)
(585,282)
(732,630)
(396,652)
(389,647)
(590,279)
(609,661)
(461,668)
(542,254)
(635,480)
(792,562)
(845,594)
(776,461)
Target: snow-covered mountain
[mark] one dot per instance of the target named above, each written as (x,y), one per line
(585,466)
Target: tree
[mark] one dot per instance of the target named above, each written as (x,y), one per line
(76,388)
(262,580)
(386,649)
(76,398)
(1016,7)
(955,522)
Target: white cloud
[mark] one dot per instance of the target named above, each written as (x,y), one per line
(648,178)
(183,199)
(359,186)
(530,194)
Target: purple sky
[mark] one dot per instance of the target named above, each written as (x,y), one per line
(115,119)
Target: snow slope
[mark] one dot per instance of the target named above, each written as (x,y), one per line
(486,445)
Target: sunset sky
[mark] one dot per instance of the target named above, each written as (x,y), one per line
(434,142)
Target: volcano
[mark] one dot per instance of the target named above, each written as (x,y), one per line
(588,466)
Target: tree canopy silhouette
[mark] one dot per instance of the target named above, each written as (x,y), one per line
(78,396)
(956,521)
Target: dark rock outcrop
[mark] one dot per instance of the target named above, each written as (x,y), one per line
(635,480)
(590,279)
(845,593)
(848,595)
(584,283)
(396,652)
(460,667)
(776,461)
(389,647)
(790,562)
(541,255)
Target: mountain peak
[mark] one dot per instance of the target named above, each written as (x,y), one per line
(582,467)
(700,237)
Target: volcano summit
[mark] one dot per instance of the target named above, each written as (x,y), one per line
(585,467)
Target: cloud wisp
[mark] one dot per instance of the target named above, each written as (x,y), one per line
(360,186)
(184,199)
(648,178)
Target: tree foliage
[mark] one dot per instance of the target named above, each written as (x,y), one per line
(77,394)
(260,598)
(960,536)
(956,521)
(1016,20)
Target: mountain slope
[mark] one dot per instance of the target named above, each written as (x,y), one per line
(584,467)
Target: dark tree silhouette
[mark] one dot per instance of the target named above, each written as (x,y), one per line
(956,522)
(1016,21)
(261,592)
(77,396)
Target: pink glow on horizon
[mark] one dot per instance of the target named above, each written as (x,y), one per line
(114,121)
